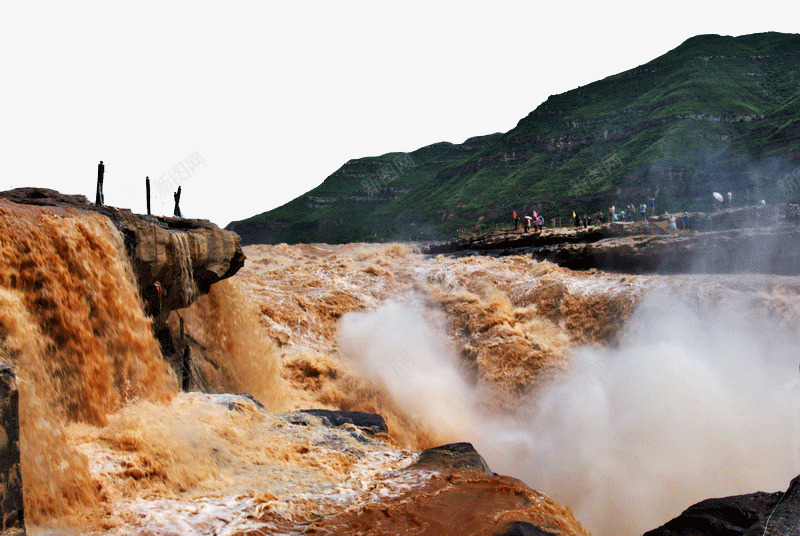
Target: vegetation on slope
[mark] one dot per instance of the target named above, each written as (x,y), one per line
(715,114)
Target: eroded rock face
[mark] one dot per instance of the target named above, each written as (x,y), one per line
(11,509)
(754,514)
(175,260)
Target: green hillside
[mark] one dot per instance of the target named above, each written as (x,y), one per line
(715,114)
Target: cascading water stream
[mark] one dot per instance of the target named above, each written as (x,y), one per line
(73,327)
(181,252)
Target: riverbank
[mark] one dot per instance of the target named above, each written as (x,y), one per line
(760,239)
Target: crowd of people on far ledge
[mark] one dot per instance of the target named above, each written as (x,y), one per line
(529,223)
(628,213)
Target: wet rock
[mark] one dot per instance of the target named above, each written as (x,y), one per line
(174,260)
(521,528)
(236,401)
(456,502)
(753,514)
(371,423)
(11,507)
(252,399)
(452,456)
(477,488)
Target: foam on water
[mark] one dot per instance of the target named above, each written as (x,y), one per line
(232,468)
(287,476)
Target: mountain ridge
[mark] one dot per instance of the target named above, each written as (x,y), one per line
(717,113)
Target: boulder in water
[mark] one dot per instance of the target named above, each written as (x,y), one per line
(371,423)
(452,456)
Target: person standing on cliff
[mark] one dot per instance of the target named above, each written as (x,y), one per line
(177,210)
(516,221)
(101,169)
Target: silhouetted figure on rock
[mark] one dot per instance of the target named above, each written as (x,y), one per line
(177,211)
(147,193)
(101,169)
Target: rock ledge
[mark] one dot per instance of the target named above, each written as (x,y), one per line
(174,260)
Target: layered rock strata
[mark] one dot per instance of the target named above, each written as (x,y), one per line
(174,260)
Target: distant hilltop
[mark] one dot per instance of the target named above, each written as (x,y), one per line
(716,114)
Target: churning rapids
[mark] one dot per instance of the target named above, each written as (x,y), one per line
(625,398)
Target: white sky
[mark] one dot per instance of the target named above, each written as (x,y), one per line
(275,96)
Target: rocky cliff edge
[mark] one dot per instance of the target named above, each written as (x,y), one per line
(174,260)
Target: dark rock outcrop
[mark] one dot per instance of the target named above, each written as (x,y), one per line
(521,528)
(11,507)
(773,250)
(755,514)
(452,456)
(371,423)
(175,260)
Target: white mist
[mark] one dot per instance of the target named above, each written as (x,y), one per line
(417,364)
(695,402)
